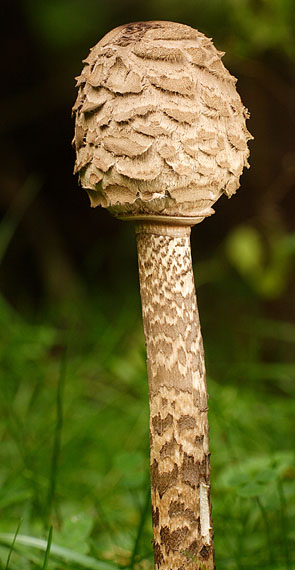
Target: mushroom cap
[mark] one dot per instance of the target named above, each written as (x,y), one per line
(160,128)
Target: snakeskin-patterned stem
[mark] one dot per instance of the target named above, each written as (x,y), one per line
(179,442)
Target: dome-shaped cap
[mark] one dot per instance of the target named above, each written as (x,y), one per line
(160,127)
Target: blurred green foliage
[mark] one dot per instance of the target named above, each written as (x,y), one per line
(265,265)
(47,19)
(249,26)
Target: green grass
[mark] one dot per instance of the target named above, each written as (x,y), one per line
(74,435)
(12,546)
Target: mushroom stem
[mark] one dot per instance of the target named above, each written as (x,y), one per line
(160,125)
(179,440)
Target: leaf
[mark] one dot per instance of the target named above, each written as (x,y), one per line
(75,532)
(244,249)
(250,490)
(64,553)
(12,545)
(238,479)
(266,476)
(47,552)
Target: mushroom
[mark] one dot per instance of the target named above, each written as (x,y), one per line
(160,135)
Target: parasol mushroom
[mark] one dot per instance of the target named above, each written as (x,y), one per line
(160,134)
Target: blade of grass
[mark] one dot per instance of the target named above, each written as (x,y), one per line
(284,523)
(16,211)
(47,552)
(267,529)
(143,517)
(12,544)
(57,436)
(65,554)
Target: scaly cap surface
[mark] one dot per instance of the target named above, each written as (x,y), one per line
(160,128)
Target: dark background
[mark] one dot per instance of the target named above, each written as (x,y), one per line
(56,243)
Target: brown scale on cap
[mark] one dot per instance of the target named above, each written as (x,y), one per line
(160,127)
